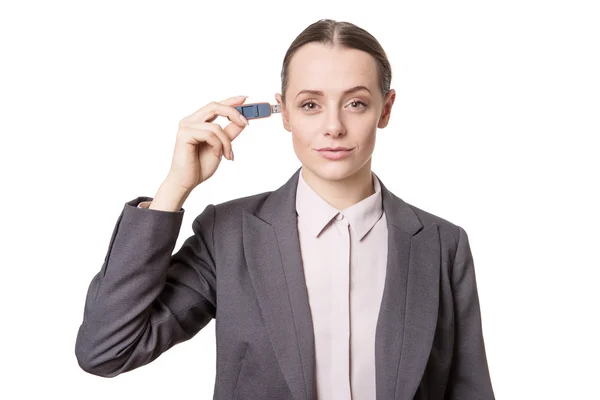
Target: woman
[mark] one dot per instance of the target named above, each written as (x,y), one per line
(329,287)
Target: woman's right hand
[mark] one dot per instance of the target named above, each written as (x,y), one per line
(200,144)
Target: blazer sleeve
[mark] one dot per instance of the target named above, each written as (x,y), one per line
(145,299)
(469,374)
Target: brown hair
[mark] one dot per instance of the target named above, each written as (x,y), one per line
(346,34)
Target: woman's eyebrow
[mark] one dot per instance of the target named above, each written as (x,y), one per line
(320,93)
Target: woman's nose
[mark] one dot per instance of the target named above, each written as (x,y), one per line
(334,125)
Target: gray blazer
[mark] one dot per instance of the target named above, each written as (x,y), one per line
(243,267)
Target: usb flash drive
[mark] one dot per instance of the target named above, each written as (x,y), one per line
(258,110)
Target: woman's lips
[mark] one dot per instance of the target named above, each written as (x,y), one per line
(335,154)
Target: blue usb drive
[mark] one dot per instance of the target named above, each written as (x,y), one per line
(258,110)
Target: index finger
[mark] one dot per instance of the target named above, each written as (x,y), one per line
(224,108)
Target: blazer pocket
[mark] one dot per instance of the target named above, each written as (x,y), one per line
(239,372)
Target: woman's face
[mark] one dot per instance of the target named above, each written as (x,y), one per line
(333,99)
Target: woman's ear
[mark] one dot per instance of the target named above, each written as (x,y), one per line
(388,102)
(284,113)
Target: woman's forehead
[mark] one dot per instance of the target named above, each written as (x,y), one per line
(326,68)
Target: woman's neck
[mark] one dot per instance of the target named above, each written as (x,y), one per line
(342,193)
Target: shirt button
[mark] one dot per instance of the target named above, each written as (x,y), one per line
(339,217)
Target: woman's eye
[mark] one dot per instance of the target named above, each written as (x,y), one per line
(307,103)
(362,104)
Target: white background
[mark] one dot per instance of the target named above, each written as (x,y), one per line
(495,128)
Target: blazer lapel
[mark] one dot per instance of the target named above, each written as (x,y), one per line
(409,307)
(272,249)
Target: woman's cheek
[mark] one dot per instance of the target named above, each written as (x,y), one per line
(301,123)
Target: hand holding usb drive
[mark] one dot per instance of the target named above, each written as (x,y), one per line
(258,110)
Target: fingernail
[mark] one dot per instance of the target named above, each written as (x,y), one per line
(231,154)
(244,120)
(241,97)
